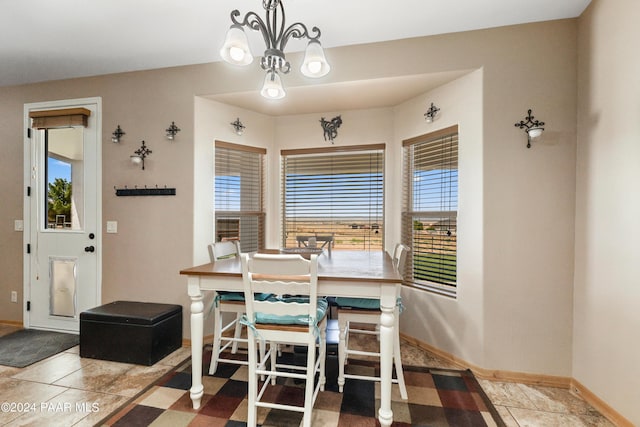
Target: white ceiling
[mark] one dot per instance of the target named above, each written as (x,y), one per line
(43,40)
(354,95)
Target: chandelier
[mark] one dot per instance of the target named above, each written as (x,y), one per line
(276,35)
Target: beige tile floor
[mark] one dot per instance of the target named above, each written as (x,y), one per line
(66,390)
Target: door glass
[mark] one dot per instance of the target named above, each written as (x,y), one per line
(64,205)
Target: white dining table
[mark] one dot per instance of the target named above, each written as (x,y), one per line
(365,274)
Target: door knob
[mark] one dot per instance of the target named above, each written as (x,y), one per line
(89,249)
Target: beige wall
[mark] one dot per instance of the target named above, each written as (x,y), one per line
(154,233)
(212,122)
(359,127)
(607,292)
(529,203)
(453,325)
(514,312)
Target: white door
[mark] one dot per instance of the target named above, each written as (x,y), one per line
(62,215)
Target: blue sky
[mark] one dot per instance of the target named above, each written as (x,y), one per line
(435,190)
(58,169)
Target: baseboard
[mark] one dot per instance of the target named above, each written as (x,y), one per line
(612,415)
(571,384)
(19,324)
(186,342)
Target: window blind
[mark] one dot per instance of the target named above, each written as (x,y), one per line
(239,195)
(337,192)
(429,218)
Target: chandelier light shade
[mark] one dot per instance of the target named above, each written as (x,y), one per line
(314,64)
(276,35)
(236,47)
(272,87)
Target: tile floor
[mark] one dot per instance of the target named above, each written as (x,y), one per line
(66,390)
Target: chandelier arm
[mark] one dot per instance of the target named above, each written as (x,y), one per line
(272,24)
(254,22)
(297,31)
(316,30)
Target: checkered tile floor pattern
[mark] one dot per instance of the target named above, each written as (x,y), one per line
(437,398)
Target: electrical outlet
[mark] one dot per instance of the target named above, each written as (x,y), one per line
(14,296)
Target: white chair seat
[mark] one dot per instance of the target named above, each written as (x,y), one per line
(286,319)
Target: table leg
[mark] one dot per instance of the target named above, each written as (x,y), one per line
(197,307)
(387,322)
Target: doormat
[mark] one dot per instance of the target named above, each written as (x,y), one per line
(437,397)
(27,346)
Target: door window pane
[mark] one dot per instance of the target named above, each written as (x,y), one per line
(63,180)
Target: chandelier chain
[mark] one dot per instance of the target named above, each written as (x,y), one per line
(270,4)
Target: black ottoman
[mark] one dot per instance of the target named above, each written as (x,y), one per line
(131,332)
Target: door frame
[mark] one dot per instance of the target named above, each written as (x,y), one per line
(27,213)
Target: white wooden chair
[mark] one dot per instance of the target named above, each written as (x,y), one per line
(367,311)
(299,320)
(227,302)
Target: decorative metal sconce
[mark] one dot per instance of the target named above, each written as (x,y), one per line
(172,130)
(431,113)
(140,154)
(331,127)
(532,128)
(117,134)
(238,126)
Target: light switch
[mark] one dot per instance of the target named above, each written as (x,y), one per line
(112,226)
(18,225)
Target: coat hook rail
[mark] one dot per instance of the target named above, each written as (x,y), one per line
(146,191)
